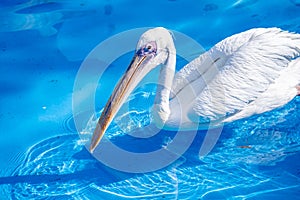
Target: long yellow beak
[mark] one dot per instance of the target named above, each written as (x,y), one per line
(125,86)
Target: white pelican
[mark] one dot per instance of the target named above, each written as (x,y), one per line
(248,73)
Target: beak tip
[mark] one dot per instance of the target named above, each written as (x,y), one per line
(92,149)
(94,143)
(97,136)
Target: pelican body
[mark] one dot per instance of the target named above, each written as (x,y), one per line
(248,73)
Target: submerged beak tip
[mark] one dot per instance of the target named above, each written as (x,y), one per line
(96,138)
(92,150)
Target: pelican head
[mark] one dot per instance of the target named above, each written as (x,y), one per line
(153,49)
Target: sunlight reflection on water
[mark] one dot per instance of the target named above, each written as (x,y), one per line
(61,165)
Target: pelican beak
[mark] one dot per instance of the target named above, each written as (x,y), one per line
(133,75)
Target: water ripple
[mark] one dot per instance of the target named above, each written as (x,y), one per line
(60,167)
(50,169)
(253,158)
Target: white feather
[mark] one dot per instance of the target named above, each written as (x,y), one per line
(247,73)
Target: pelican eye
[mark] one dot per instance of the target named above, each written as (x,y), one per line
(149,48)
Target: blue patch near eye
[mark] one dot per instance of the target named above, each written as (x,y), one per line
(140,52)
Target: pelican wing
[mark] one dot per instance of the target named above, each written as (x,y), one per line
(236,72)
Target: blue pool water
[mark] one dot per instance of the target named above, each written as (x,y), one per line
(42,46)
